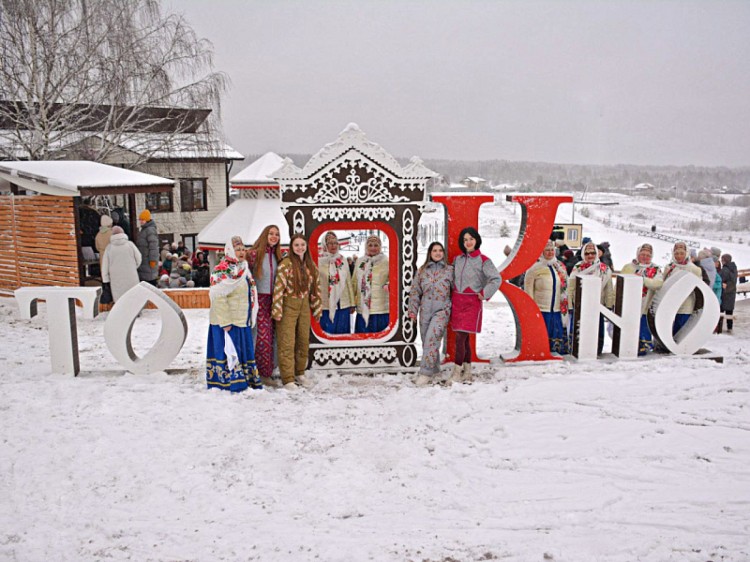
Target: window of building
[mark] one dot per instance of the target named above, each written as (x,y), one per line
(190,241)
(162,202)
(193,194)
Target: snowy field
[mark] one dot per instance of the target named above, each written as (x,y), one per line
(567,461)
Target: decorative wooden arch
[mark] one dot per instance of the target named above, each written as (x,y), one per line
(353,183)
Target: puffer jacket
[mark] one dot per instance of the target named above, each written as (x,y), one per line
(729,278)
(688,306)
(379,298)
(234,309)
(148,246)
(120,265)
(650,284)
(607,296)
(543,284)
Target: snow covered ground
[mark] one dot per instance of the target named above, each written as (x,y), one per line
(569,461)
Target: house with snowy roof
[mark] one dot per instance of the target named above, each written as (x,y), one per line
(257,204)
(475,183)
(172,143)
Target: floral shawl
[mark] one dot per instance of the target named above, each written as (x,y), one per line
(336,265)
(364,282)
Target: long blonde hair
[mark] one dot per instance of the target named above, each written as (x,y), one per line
(259,248)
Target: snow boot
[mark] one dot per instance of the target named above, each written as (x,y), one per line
(423,380)
(457,375)
(467,378)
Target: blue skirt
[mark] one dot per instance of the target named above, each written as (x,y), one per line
(679,321)
(376,323)
(341,321)
(645,341)
(244,374)
(558,336)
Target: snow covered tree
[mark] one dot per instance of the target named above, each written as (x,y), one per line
(119,68)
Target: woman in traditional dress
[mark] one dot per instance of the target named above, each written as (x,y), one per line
(475,280)
(370,286)
(681,262)
(547,283)
(263,258)
(230,356)
(295,296)
(591,266)
(335,288)
(430,297)
(652,282)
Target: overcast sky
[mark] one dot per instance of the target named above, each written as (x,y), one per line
(599,82)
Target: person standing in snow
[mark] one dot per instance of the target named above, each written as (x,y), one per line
(681,262)
(652,282)
(101,241)
(295,294)
(475,280)
(430,298)
(547,283)
(264,257)
(148,246)
(335,288)
(120,263)
(592,266)
(230,353)
(371,289)
(729,292)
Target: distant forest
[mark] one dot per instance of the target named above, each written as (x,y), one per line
(576,177)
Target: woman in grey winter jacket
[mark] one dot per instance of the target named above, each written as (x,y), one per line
(475,279)
(120,263)
(431,297)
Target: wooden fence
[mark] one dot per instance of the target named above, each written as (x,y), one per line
(38,241)
(185,298)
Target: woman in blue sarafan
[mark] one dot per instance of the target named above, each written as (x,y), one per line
(547,283)
(230,355)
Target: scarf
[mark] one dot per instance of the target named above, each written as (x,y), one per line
(230,274)
(364,282)
(645,270)
(336,264)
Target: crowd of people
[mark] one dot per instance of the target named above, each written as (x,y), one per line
(280,294)
(262,299)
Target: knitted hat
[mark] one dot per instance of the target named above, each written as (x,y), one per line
(117,230)
(716,252)
(106,220)
(145,215)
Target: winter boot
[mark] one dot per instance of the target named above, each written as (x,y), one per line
(304,381)
(457,376)
(423,380)
(467,378)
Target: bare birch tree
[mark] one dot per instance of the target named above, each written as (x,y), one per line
(114,67)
